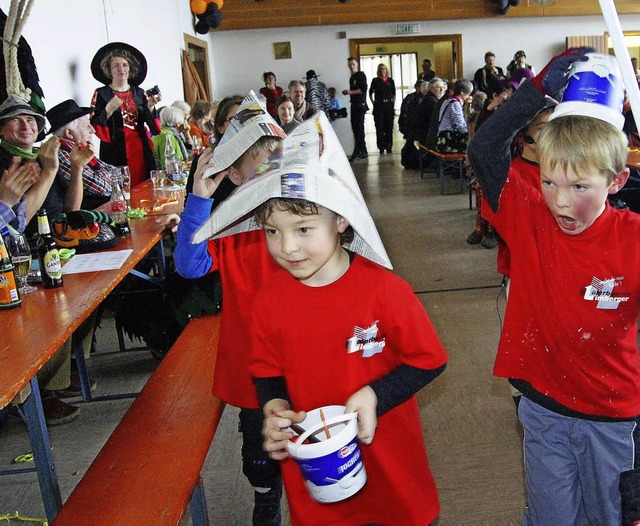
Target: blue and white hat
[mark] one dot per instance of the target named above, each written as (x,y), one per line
(595,89)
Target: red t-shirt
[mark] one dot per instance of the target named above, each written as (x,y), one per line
(570,326)
(245,266)
(530,172)
(302,333)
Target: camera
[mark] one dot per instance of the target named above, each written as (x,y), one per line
(153,91)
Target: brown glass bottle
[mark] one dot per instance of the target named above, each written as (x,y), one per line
(48,255)
(9,296)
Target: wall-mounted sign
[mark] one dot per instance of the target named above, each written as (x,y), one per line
(406,29)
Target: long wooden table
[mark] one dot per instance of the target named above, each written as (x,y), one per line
(33,332)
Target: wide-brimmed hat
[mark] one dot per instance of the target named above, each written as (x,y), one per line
(64,113)
(14,106)
(311,74)
(99,75)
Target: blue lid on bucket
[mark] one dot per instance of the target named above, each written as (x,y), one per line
(595,89)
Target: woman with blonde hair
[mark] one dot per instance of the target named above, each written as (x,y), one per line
(383,96)
(125,116)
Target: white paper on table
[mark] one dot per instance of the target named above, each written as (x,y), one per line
(96,261)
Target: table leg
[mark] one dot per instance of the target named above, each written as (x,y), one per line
(42,456)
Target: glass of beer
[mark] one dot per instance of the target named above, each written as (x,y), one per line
(18,248)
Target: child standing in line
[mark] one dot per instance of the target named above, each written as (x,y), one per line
(332,327)
(304,319)
(569,342)
(244,266)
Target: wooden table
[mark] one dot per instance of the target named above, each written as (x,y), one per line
(33,332)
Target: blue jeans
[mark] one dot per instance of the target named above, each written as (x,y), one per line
(572,467)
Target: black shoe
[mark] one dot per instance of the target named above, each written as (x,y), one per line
(75,389)
(474,238)
(489,241)
(57,412)
(266,507)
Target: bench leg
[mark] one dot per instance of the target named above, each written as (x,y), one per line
(461,174)
(42,456)
(198,506)
(441,175)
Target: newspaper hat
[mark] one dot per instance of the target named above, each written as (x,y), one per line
(595,89)
(250,122)
(314,167)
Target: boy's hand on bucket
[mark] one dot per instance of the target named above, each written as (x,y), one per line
(364,402)
(278,416)
(553,78)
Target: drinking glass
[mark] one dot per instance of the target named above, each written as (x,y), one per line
(157,178)
(125,182)
(18,248)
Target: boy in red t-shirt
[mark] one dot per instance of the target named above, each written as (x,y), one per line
(569,342)
(304,319)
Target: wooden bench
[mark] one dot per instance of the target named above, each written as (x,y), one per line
(148,472)
(447,165)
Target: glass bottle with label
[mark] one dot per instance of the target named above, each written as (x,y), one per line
(9,296)
(119,207)
(48,255)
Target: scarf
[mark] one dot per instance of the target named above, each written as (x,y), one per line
(17,151)
(299,113)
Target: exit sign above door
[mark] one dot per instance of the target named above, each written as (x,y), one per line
(406,29)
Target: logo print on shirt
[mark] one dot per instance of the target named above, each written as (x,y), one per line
(365,340)
(602,292)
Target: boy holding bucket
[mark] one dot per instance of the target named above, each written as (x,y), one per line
(569,342)
(334,328)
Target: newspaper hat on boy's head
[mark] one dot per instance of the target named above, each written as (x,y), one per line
(250,122)
(595,89)
(313,167)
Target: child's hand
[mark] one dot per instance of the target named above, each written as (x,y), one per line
(553,77)
(364,402)
(277,417)
(206,187)
(170,221)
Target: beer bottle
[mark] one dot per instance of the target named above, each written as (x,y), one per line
(9,296)
(119,207)
(50,265)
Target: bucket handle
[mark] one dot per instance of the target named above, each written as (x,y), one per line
(346,417)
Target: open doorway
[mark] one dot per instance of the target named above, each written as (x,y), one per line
(197,53)
(444,51)
(402,68)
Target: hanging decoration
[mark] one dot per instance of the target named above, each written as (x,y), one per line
(208,14)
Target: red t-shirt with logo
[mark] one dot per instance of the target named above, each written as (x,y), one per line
(302,333)
(570,326)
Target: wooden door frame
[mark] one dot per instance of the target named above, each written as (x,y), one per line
(456,40)
(202,44)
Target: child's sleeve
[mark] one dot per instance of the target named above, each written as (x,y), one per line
(193,261)
(489,151)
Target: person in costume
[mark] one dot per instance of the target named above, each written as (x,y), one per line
(308,351)
(78,167)
(244,266)
(569,342)
(124,114)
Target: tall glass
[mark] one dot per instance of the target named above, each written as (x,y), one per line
(18,248)
(125,182)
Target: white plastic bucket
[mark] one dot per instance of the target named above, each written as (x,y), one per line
(595,89)
(332,467)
